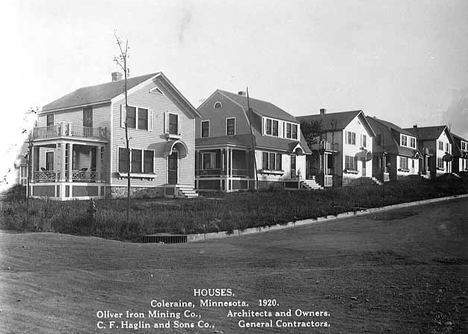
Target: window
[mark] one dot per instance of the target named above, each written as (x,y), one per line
(440,163)
(463,146)
(156,90)
(230,126)
(403,163)
(131,117)
(141,160)
(271,127)
(350,138)
(412,163)
(288,130)
(208,160)
(271,161)
(218,105)
(205,129)
(88,117)
(136,161)
(404,140)
(294,131)
(50,120)
(364,141)
(441,146)
(350,163)
(49,161)
(148,161)
(142,119)
(123,160)
(447,147)
(275,128)
(413,142)
(173,124)
(268,126)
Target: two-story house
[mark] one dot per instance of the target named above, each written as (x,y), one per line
(79,148)
(395,152)
(245,143)
(460,154)
(435,145)
(343,152)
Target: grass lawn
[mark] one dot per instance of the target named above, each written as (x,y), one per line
(402,271)
(214,212)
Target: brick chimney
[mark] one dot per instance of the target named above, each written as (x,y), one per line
(242,93)
(323,111)
(415,126)
(116,76)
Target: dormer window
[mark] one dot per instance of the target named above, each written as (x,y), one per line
(271,127)
(218,105)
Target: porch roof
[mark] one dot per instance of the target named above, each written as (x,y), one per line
(259,142)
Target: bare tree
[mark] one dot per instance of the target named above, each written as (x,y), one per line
(121,60)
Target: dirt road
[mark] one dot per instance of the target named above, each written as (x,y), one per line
(404,271)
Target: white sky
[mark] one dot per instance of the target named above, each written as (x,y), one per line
(404,61)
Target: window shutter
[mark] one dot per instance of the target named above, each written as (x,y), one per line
(179,124)
(166,122)
(150,120)
(122,116)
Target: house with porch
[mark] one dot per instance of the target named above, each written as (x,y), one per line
(435,145)
(395,153)
(342,153)
(460,154)
(244,143)
(79,149)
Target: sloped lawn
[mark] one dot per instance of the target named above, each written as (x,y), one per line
(215,211)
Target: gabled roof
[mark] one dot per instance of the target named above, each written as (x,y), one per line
(389,125)
(262,108)
(337,121)
(96,94)
(428,132)
(456,149)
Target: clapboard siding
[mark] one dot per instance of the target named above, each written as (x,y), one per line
(155,139)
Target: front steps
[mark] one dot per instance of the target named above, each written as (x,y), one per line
(186,191)
(179,191)
(310,185)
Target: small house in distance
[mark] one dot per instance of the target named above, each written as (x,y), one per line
(342,152)
(79,149)
(460,154)
(435,145)
(244,143)
(395,153)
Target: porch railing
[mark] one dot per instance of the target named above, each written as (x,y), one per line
(77,175)
(328,180)
(69,130)
(218,172)
(46,176)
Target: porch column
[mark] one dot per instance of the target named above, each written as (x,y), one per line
(325,164)
(70,162)
(98,163)
(62,151)
(230,162)
(31,168)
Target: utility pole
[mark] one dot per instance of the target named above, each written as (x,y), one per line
(121,60)
(249,110)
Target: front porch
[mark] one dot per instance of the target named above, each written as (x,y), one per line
(67,163)
(224,169)
(321,164)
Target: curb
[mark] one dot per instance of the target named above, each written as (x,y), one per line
(219,235)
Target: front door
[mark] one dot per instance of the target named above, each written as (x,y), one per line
(172,168)
(364,171)
(293,167)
